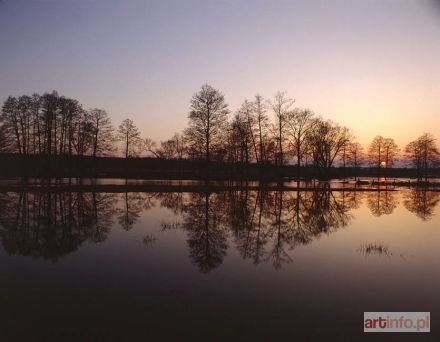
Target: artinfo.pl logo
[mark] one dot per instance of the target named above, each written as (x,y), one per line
(397,321)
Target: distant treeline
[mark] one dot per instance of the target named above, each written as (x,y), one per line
(52,125)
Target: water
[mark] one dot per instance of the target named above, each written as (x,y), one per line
(243,265)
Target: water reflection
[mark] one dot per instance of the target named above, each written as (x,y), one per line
(422,203)
(205,223)
(132,205)
(51,225)
(266,225)
(262,226)
(382,202)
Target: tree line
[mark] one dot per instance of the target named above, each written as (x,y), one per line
(51,124)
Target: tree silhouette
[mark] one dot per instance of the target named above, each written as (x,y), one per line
(129,134)
(240,140)
(281,105)
(173,148)
(355,156)
(390,152)
(4,139)
(376,150)
(207,121)
(54,125)
(246,111)
(423,154)
(103,132)
(262,127)
(326,141)
(84,134)
(301,123)
(382,152)
(45,124)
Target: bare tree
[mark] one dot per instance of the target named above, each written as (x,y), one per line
(24,120)
(281,106)
(301,124)
(36,124)
(4,140)
(326,142)
(355,156)
(150,146)
(423,154)
(239,139)
(84,133)
(248,114)
(167,149)
(41,124)
(376,151)
(129,134)
(262,123)
(390,152)
(49,111)
(10,122)
(207,120)
(103,132)
(180,145)
(382,152)
(345,150)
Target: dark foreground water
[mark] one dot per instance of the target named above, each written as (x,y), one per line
(238,265)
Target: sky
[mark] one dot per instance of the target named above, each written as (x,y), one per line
(371,65)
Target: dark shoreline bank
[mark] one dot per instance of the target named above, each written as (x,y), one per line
(173,188)
(61,166)
(126,185)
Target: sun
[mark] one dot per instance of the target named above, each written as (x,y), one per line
(383,164)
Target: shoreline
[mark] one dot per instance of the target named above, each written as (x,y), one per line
(110,188)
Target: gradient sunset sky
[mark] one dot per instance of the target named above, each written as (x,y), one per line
(371,65)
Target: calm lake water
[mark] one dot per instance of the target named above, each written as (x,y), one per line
(244,265)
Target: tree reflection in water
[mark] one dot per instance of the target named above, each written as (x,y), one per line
(263,226)
(422,203)
(382,202)
(51,225)
(280,221)
(204,221)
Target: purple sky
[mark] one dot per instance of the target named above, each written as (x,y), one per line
(371,65)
